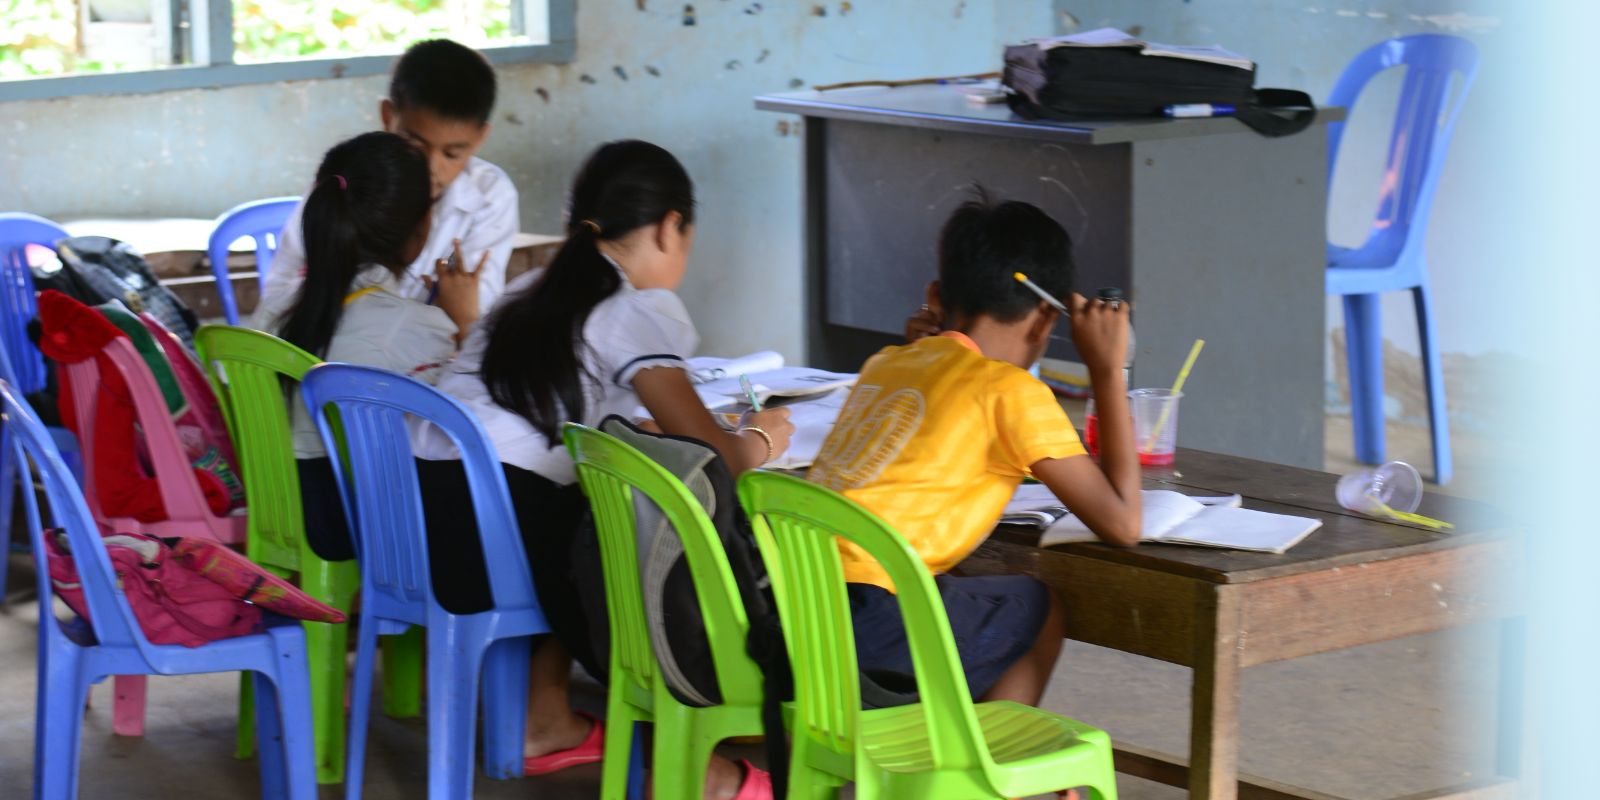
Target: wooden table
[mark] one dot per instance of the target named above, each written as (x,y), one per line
(1354,581)
(175,248)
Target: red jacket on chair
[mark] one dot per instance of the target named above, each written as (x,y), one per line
(122,477)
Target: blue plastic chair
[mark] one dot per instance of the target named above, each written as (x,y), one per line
(262,221)
(73,655)
(1392,257)
(396,589)
(21,364)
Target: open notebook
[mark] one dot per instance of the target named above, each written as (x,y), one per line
(1174,518)
(719,377)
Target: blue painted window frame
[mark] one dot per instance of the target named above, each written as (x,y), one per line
(212,45)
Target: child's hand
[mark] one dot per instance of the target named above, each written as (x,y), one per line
(458,289)
(775,421)
(1100,332)
(926,322)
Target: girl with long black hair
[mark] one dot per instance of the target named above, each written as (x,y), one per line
(365,220)
(600,331)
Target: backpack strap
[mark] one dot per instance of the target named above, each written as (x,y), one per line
(1264,117)
(766,647)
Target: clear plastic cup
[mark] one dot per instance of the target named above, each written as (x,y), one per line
(1155,411)
(1395,485)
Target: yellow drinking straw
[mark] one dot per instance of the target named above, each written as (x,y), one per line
(1416,519)
(1177,386)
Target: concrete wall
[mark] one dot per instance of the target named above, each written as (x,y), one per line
(1305,44)
(640,72)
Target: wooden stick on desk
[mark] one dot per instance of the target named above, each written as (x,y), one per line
(980,76)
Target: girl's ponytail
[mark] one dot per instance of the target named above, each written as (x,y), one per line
(533,362)
(371,194)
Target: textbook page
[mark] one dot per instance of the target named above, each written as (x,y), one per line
(813,420)
(1163,511)
(1243,529)
(1099,37)
(783,382)
(704,369)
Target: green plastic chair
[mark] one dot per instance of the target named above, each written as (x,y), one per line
(246,368)
(943,747)
(611,471)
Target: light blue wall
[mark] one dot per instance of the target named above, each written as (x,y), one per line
(1305,44)
(196,153)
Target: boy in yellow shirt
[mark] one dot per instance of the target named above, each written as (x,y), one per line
(937,434)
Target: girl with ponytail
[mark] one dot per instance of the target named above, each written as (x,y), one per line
(365,220)
(600,331)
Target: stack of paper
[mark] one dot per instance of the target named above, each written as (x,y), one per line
(1111,37)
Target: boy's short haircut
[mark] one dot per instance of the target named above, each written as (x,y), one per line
(985,242)
(445,77)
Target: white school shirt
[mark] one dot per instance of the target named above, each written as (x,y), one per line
(479,207)
(629,331)
(379,328)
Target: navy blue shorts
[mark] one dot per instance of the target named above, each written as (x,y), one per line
(995,619)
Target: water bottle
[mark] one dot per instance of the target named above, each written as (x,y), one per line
(1091,420)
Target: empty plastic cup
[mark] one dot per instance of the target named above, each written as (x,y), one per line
(1155,425)
(1374,490)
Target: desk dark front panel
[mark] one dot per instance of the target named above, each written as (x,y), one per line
(888,189)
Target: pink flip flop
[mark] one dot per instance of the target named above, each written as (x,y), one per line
(588,751)
(757,784)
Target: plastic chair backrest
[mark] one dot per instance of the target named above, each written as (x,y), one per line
(112,621)
(181,494)
(386,504)
(611,471)
(262,221)
(795,524)
(1425,118)
(247,369)
(18,303)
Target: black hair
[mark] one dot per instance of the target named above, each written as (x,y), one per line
(371,194)
(445,77)
(985,242)
(533,363)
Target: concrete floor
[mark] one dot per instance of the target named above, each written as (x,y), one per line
(1374,722)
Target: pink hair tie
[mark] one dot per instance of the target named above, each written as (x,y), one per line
(342,184)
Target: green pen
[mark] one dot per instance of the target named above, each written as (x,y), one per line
(750,393)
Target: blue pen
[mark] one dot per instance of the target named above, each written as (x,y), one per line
(750,393)
(1188,110)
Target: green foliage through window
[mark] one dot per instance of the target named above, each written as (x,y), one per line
(273,30)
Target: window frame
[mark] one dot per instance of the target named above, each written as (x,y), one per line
(210,39)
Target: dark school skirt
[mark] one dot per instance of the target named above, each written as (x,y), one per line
(548,515)
(327,532)
(995,619)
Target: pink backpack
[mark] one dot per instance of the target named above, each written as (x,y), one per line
(173,604)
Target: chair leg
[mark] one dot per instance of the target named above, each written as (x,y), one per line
(58,729)
(452,708)
(244,733)
(621,737)
(682,752)
(127,711)
(360,707)
(325,653)
(284,730)
(8,492)
(505,706)
(402,675)
(1433,374)
(334,584)
(1363,338)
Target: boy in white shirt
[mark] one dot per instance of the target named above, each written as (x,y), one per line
(440,99)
